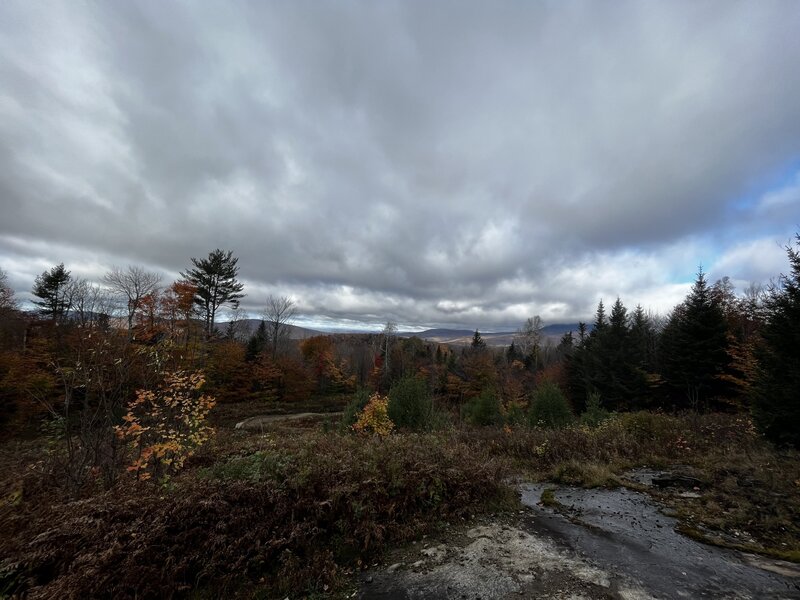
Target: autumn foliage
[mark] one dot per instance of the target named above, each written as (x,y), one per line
(166,425)
(375,417)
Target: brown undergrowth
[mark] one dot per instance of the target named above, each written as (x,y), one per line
(295,510)
(750,493)
(290,516)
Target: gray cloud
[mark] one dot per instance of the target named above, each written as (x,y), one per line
(436,163)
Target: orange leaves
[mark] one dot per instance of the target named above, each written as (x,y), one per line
(319,354)
(165,426)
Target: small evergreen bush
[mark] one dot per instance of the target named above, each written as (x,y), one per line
(515,414)
(410,404)
(549,407)
(595,413)
(483,409)
(355,406)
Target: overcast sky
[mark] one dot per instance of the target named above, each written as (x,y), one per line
(435,163)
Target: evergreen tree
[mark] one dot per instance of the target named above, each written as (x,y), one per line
(566,344)
(643,344)
(776,393)
(618,322)
(512,354)
(596,376)
(477,341)
(582,332)
(615,359)
(695,347)
(600,322)
(215,279)
(53,289)
(439,355)
(641,337)
(578,370)
(257,342)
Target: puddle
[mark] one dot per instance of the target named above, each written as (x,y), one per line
(625,531)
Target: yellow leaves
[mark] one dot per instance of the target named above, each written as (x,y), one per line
(375,417)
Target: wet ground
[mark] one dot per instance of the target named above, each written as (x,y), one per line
(597,543)
(625,531)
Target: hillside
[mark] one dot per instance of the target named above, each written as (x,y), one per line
(247,327)
(463,337)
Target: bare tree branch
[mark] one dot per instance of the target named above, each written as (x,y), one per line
(278,314)
(132,284)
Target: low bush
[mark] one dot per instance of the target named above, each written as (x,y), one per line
(483,409)
(375,417)
(549,407)
(594,414)
(353,408)
(515,414)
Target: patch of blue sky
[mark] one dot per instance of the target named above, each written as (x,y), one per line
(786,177)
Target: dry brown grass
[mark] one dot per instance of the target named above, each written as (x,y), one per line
(297,509)
(751,494)
(269,513)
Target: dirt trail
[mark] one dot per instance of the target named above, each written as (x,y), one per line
(262,421)
(601,543)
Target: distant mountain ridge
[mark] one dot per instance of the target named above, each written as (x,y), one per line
(459,337)
(463,337)
(247,327)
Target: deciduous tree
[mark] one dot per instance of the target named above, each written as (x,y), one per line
(529,341)
(132,285)
(7,300)
(177,305)
(278,315)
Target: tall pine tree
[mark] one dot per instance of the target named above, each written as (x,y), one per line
(53,290)
(776,393)
(215,279)
(478,343)
(694,346)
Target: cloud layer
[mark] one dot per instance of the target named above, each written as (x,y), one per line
(442,163)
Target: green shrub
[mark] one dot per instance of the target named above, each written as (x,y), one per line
(483,409)
(549,407)
(355,406)
(410,404)
(595,414)
(515,414)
